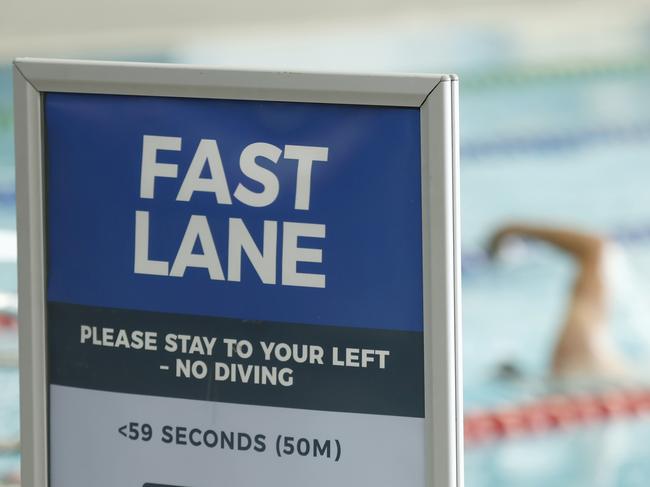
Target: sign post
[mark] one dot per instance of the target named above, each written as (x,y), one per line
(237,278)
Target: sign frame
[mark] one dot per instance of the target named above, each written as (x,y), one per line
(436,96)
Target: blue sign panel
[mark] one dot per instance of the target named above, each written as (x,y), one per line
(292,212)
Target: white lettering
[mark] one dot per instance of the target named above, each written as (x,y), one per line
(292,254)
(207,151)
(151,168)
(198,231)
(239,238)
(143,265)
(306,156)
(250,168)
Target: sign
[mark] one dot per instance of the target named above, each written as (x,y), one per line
(237,279)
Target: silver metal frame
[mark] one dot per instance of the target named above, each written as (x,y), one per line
(435,95)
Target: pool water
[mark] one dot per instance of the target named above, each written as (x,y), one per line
(573,151)
(599,455)
(597,188)
(9,405)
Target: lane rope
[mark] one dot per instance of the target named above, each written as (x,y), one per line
(555,142)
(553,413)
(508,77)
(474,260)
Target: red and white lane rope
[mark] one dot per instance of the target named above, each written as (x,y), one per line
(8,321)
(553,413)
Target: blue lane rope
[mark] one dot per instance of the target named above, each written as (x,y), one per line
(474,260)
(555,142)
(7,197)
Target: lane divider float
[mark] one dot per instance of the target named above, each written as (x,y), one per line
(553,413)
(554,72)
(475,259)
(553,142)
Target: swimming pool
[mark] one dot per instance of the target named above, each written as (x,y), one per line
(564,150)
(600,455)
(9,406)
(557,148)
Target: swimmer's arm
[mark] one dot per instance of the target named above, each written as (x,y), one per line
(583,246)
(589,289)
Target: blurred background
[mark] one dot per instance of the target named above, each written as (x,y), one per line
(555,129)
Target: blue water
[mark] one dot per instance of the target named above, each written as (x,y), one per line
(573,152)
(600,455)
(9,405)
(601,188)
(560,106)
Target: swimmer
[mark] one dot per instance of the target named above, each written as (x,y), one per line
(584,348)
